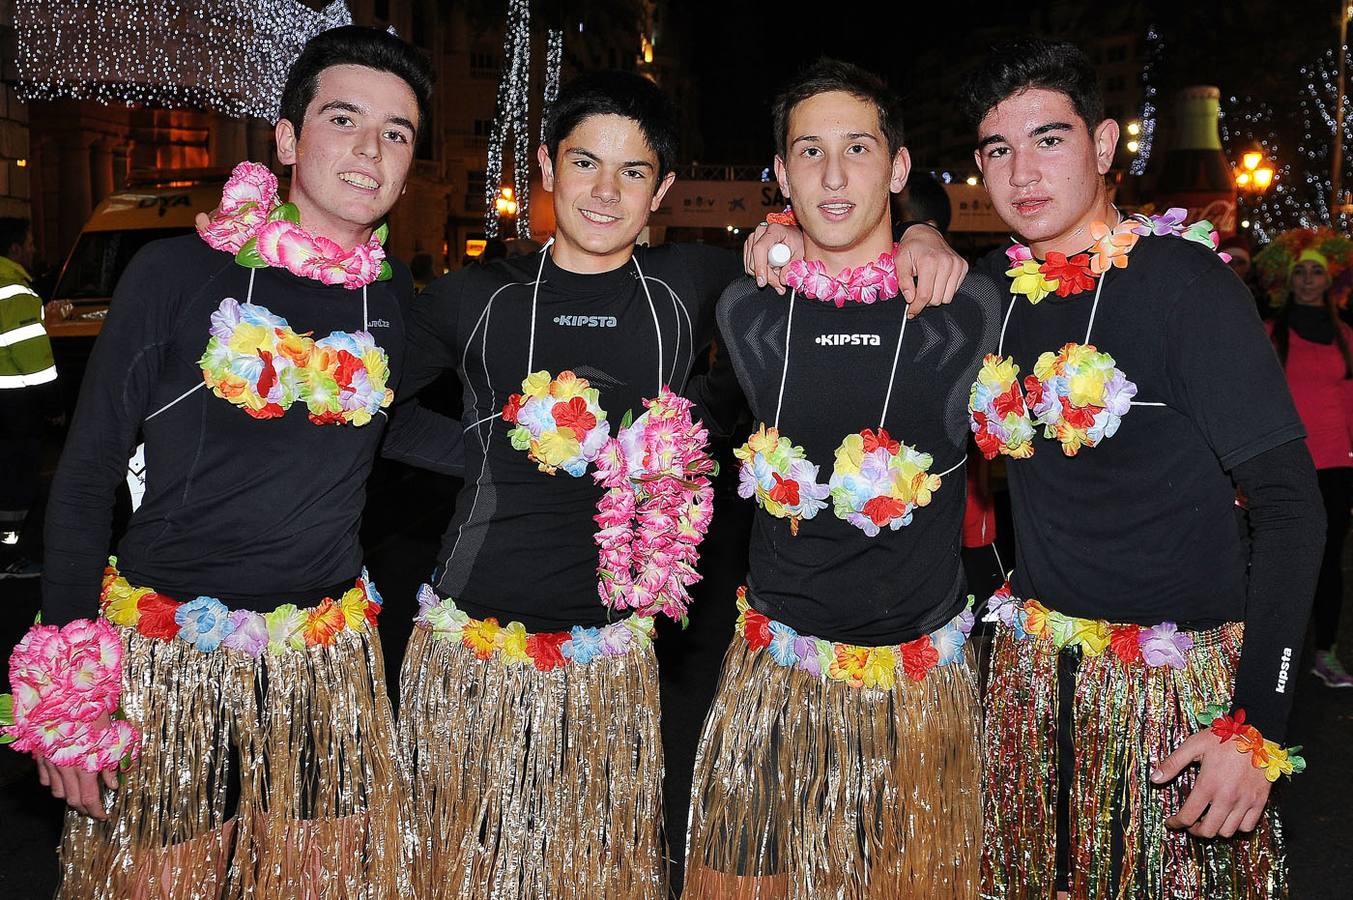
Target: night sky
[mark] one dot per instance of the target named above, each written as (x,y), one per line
(741,53)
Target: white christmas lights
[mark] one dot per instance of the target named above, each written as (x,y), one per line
(230,56)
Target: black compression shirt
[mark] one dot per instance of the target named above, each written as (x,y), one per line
(254,512)
(520,544)
(831,580)
(1142,528)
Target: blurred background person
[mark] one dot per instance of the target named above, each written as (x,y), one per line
(1314,345)
(29,396)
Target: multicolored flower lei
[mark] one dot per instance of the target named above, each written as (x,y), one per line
(256,361)
(64,680)
(1067,276)
(780,476)
(997,412)
(1267,755)
(1156,645)
(878,481)
(559,422)
(261,231)
(209,625)
(512,644)
(1078,395)
(871,282)
(874,667)
(656,509)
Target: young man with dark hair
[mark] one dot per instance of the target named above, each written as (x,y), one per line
(840,757)
(236,624)
(1139,634)
(29,394)
(529,701)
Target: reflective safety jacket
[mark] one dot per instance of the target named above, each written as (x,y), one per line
(25,352)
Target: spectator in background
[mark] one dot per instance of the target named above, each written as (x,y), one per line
(925,200)
(1315,348)
(28,393)
(421,268)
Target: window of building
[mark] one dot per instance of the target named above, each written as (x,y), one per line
(483,64)
(1116,53)
(483,127)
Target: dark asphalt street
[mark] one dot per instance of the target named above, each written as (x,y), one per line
(406,513)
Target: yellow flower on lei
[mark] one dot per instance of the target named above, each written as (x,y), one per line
(120,603)
(1029,281)
(249,338)
(1273,760)
(850,455)
(849,664)
(998,372)
(537,385)
(514,643)
(1091,634)
(353,604)
(880,668)
(555,448)
(482,636)
(763,441)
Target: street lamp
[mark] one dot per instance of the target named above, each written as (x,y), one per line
(1254,175)
(505,204)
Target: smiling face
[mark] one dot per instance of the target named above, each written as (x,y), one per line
(352,156)
(1310,280)
(838,173)
(605,182)
(1045,169)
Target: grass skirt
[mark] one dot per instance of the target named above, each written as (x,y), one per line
(261,777)
(1124,718)
(531,784)
(807,787)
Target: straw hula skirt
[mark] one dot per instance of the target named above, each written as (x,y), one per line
(267,766)
(534,759)
(829,770)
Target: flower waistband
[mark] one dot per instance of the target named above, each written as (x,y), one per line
(208,624)
(1155,645)
(512,644)
(857,666)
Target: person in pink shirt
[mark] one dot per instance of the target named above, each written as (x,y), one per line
(1316,349)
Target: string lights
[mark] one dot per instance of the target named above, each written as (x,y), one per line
(512,114)
(554,60)
(1155,49)
(230,56)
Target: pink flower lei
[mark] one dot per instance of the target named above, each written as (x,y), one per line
(871,282)
(64,680)
(262,232)
(655,511)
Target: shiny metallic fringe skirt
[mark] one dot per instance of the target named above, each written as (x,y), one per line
(1123,720)
(808,788)
(530,784)
(258,777)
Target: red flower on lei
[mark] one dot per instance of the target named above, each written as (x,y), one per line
(544,648)
(755,629)
(1125,642)
(919,657)
(157,616)
(1072,273)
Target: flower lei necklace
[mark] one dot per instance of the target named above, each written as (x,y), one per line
(876,481)
(261,231)
(1077,394)
(658,501)
(873,281)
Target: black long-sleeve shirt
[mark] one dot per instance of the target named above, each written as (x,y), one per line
(520,543)
(1142,528)
(830,579)
(254,512)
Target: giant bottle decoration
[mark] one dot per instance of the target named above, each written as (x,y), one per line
(1195,173)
